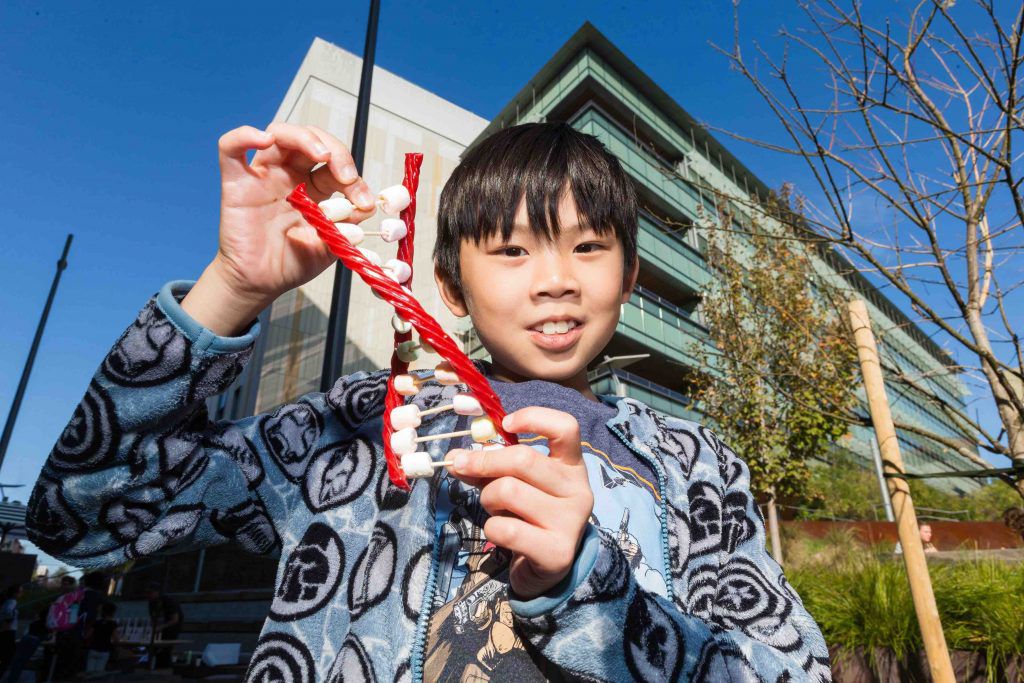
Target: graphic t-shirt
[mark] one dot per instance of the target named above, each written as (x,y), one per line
(471,635)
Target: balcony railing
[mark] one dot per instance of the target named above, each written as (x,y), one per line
(641,165)
(656,396)
(662,326)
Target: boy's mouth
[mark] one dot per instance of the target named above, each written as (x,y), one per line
(556,335)
(555,326)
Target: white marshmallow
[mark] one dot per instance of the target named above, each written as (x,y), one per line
(399,325)
(404,417)
(407,351)
(406,385)
(398,269)
(394,199)
(350,231)
(337,208)
(404,441)
(444,374)
(482,429)
(417,465)
(465,404)
(392,229)
(371,256)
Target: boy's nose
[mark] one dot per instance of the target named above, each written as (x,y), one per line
(555,278)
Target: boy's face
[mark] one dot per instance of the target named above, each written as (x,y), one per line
(510,290)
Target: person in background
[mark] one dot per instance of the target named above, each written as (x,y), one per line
(167,617)
(8,626)
(926,540)
(103,639)
(62,619)
(37,633)
(95,594)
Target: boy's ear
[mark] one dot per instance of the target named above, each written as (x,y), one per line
(451,296)
(629,280)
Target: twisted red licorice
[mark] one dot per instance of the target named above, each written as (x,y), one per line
(409,309)
(392,398)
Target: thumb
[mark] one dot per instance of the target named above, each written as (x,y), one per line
(560,428)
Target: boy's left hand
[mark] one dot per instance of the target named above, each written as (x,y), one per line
(539,504)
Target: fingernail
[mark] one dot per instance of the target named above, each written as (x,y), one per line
(320,149)
(349,174)
(364,199)
(460,461)
(504,423)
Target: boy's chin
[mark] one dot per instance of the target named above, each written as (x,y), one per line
(548,370)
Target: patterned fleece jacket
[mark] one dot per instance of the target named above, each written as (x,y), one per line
(140,469)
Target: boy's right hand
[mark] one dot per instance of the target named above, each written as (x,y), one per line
(266,247)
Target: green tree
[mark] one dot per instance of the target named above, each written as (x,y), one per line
(783,365)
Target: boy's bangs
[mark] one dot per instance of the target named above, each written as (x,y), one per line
(537,163)
(540,174)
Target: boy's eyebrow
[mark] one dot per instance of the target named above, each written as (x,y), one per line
(525,227)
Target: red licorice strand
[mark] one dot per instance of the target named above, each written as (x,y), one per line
(408,308)
(411,311)
(392,399)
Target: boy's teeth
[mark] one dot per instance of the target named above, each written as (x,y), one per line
(560,327)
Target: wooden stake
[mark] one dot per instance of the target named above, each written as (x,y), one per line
(899,492)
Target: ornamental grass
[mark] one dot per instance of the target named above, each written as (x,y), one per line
(862,600)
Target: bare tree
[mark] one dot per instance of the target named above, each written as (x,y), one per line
(909,126)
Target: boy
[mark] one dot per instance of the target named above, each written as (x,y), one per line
(103,639)
(614,543)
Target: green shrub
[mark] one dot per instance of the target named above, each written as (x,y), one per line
(865,602)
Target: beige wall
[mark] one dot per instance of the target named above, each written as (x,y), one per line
(403,118)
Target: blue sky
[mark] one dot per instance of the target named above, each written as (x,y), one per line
(111,112)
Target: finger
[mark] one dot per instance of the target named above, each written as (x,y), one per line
(477,468)
(561,429)
(343,176)
(323,183)
(508,495)
(545,551)
(296,147)
(233,146)
(341,165)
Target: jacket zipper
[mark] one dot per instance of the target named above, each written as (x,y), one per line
(419,643)
(662,482)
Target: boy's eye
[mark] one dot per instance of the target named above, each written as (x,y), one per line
(512,252)
(588,247)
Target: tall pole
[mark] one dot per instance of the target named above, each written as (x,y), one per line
(881,480)
(20,393)
(899,491)
(334,349)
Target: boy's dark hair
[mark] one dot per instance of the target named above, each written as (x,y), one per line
(534,161)
(108,610)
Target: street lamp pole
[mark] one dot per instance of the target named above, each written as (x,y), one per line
(20,393)
(334,349)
